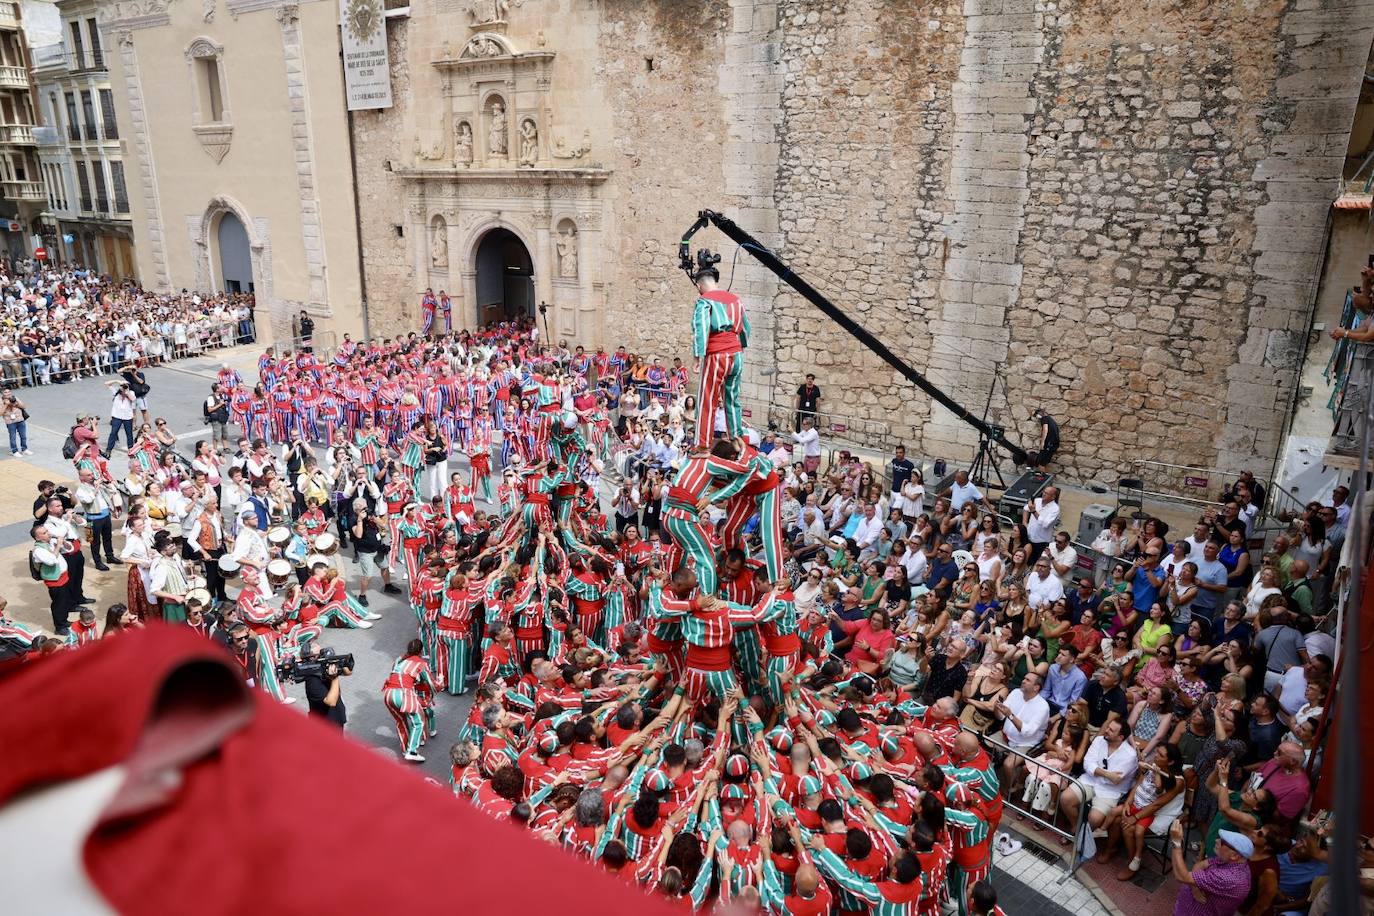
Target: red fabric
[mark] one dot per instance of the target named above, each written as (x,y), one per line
(263,793)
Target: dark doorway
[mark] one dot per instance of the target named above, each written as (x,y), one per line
(235,258)
(505,278)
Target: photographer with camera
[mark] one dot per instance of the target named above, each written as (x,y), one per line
(322,688)
(372,551)
(138,385)
(121,415)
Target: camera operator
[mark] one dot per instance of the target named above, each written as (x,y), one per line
(322,691)
(138,384)
(367,541)
(48,490)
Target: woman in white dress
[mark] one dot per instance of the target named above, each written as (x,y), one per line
(138,558)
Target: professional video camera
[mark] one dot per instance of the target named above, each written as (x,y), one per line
(298,670)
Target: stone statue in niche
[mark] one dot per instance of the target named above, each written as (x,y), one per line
(529,142)
(496,139)
(567,254)
(438,245)
(462,144)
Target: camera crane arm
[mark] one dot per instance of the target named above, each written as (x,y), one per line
(765,257)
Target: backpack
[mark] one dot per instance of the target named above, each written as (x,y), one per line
(35,572)
(70,446)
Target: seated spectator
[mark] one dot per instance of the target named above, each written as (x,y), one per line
(1105,698)
(1108,768)
(1237,809)
(1025,716)
(1151,720)
(1065,743)
(1065,682)
(1218,885)
(1153,803)
(1283,776)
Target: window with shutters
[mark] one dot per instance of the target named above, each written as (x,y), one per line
(84,183)
(107,112)
(121,192)
(102,193)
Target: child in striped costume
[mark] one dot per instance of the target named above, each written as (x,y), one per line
(368,440)
(411,540)
(479,455)
(408,695)
(412,461)
(329,602)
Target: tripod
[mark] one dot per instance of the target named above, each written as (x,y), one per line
(985,461)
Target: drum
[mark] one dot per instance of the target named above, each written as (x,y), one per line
(317,559)
(326,544)
(228,567)
(279,573)
(195,583)
(199,596)
(279,536)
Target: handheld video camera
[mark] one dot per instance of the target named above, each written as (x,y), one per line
(291,669)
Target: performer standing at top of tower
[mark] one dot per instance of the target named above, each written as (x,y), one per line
(720,332)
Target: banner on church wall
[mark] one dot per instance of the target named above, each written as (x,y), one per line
(367,70)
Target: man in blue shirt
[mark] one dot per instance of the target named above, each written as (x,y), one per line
(943,572)
(1064,682)
(1211,583)
(1146,580)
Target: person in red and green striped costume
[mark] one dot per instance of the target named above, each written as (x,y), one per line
(720,333)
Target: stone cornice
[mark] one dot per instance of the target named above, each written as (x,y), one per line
(520,176)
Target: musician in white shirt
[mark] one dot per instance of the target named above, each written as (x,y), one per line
(250,544)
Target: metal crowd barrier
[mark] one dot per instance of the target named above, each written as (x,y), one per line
(20,371)
(1074,838)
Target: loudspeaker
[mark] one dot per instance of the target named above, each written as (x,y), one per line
(1024,489)
(1094,520)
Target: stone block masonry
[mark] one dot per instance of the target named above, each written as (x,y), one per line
(1120,204)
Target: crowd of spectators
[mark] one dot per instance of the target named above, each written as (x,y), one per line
(60,325)
(1183,685)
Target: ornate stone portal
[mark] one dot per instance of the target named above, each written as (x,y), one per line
(503,174)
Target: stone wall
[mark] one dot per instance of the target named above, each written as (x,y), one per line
(381,140)
(1110,209)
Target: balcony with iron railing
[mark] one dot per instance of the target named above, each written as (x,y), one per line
(22,190)
(80,62)
(9,15)
(17,135)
